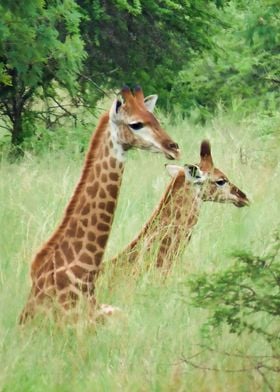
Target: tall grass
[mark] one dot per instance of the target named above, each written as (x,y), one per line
(146,348)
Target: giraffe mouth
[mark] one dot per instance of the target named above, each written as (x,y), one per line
(172,154)
(171,150)
(169,156)
(242,203)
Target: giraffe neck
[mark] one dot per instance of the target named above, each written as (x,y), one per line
(82,236)
(176,213)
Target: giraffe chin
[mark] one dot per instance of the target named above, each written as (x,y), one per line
(168,156)
(242,203)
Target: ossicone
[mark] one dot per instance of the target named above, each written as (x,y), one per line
(126,93)
(205,154)
(138,93)
(205,149)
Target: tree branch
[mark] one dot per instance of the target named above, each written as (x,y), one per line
(65,110)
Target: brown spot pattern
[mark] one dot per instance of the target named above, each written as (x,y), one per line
(78,271)
(103,227)
(110,206)
(91,236)
(71,232)
(97,169)
(91,247)
(102,239)
(92,190)
(59,261)
(98,258)
(78,246)
(113,190)
(112,162)
(85,258)
(114,176)
(106,152)
(102,194)
(86,209)
(80,232)
(104,177)
(67,251)
(84,222)
(106,218)
(61,279)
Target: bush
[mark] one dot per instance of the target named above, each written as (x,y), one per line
(244,65)
(241,294)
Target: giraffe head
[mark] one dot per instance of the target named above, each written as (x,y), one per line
(137,127)
(212,184)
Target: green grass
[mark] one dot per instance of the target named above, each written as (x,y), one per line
(145,350)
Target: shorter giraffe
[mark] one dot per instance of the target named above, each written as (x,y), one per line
(172,221)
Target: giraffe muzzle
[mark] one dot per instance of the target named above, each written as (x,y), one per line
(171,150)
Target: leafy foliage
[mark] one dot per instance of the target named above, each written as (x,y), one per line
(57,56)
(39,45)
(143,41)
(242,293)
(243,66)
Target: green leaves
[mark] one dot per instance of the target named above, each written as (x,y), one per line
(238,295)
(5,79)
(144,42)
(39,45)
(239,67)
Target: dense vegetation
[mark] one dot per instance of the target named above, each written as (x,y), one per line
(57,56)
(86,46)
(213,323)
(163,342)
(242,70)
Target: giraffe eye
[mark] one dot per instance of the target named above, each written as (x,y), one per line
(221,182)
(136,126)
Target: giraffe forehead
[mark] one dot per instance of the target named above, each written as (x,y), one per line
(213,173)
(138,112)
(218,173)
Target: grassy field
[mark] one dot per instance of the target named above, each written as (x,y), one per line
(146,349)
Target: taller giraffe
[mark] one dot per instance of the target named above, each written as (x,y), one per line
(65,268)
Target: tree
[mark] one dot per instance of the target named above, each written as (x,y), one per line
(244,65)
(40,50)
(143,41)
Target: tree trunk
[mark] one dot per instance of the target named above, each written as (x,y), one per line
(17,131)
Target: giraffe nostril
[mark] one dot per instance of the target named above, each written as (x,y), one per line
(173,146)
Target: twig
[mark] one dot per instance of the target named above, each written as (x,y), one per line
(265,379)
(95,84)
(239,355)
(274,80)
(65,110)
(4,127)
(214,369)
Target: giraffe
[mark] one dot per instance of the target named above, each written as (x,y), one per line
(64,270)
(177,212)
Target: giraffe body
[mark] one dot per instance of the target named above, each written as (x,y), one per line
(64,270)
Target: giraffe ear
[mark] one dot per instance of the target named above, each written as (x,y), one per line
(194,174)
(173,170)
(150,102)
(117,104)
